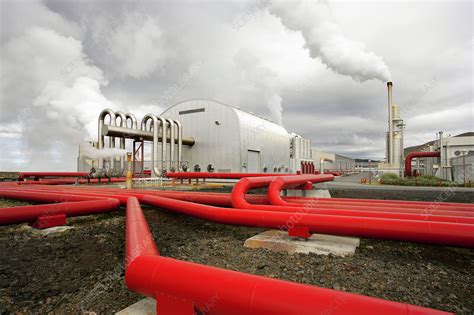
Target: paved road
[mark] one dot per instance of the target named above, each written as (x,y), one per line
(353,181)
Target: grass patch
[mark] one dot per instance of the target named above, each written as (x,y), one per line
(424,180)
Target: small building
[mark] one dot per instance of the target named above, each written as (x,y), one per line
(455,159)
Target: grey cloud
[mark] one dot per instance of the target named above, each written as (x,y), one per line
(337,113)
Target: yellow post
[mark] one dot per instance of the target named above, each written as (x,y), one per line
(129,171)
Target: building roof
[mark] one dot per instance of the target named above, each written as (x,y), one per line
(424,146)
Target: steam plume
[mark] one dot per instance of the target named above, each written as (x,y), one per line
(325,40)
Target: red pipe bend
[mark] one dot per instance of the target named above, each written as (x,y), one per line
(196,286)
(403,230)
(413,155)
(445,216)
(245,184)
(280,183)
(224,200)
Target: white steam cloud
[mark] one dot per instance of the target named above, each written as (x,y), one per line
(94,153)
(326,41)
(262,80)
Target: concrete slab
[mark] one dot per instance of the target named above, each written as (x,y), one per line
(52,231)
(143,307)
(313,193)
(279,241)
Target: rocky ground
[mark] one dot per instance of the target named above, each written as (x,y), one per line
(82,269)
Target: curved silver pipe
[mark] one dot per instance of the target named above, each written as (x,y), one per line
(133,119)
(180,143)
(154,150)
(172,140)
(163,143)
(101,138)
(123,123)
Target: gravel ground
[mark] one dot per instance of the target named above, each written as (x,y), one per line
(82,269)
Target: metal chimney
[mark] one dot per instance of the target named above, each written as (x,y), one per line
(390,157)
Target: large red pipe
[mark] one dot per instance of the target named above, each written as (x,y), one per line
(224,200)
(245,184)
(183,286)
(297,215)
(68,181)
(70,209)
(280,183)
(192,175)
(24,175)
(262,199)
(404,230)
(413,155)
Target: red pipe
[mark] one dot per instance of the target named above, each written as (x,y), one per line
(280,183)
(52,174)
(245,184)
(138,239)
(403,230)
(186,175)
(224,200)
(238,201)
(306,212)
(70,209)
(412,155)
(186,287)
(68,181)
(70,205)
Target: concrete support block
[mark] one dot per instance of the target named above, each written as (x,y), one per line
(143,307)
(321,244)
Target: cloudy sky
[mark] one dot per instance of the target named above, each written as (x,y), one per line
(317,67)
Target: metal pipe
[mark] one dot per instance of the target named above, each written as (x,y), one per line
(123,123)
(132,119)
(414,155)
(154,151)
(168,281)
(390,156)
(180,144)
(321,164)
(102,115)
(170,126)
(164,138)
(138,134)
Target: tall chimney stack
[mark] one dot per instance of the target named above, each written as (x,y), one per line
(390,157)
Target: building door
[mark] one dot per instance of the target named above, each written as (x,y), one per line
(253,161)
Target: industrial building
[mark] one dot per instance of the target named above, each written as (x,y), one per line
(331,162)
(198,136)
(447,157)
